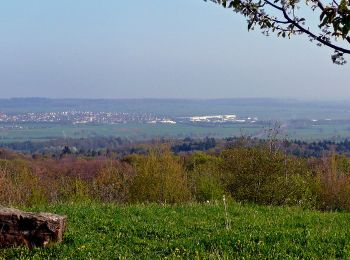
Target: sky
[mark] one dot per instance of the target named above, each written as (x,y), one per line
(154,49)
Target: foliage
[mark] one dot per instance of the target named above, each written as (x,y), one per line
(283,17)
(332,183)
(18,184)
(247,172)
(160,178)
(113,182)
(258,175)
(190,144)
(204,177)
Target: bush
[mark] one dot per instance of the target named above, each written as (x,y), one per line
(332,183)
(71,189)
(113,182)
(256,174)
(160,178)
(262,176)
(18,185)
(204,177)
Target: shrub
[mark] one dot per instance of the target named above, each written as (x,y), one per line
(204,177)
(332,183)
(18,184)
(259,175)
(70,189)
(160,178)
(112,183)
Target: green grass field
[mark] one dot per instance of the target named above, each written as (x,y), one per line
(194,231)
(138,131)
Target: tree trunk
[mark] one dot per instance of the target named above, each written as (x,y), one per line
(18,228)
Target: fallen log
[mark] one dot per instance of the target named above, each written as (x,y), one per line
(18,228)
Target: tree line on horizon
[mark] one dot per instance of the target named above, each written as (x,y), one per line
(116,147)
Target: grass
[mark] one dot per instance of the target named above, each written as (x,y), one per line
(138,131)
(108,231)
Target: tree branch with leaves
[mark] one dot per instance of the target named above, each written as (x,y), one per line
(281,18)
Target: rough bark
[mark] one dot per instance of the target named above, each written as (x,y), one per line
(18,228)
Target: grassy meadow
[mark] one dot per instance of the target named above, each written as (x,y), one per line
(194,231)
(135,131)
(139,131)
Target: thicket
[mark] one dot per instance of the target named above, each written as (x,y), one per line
(260,174)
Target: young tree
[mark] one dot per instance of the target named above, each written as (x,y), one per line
(283,17)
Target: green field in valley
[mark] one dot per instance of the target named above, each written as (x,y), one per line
(139,131)
(135,131)
(194,231)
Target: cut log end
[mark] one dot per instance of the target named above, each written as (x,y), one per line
(18,228)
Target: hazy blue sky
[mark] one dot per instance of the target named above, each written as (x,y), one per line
(155,48)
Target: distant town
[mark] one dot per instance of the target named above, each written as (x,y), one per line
(85,117)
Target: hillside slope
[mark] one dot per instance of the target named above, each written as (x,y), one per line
(105,231)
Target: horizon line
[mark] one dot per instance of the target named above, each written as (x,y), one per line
(178,98)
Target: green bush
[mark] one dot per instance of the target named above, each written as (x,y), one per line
(204,177)
(18,184)
(265,177)
(160,177)
(73,189)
